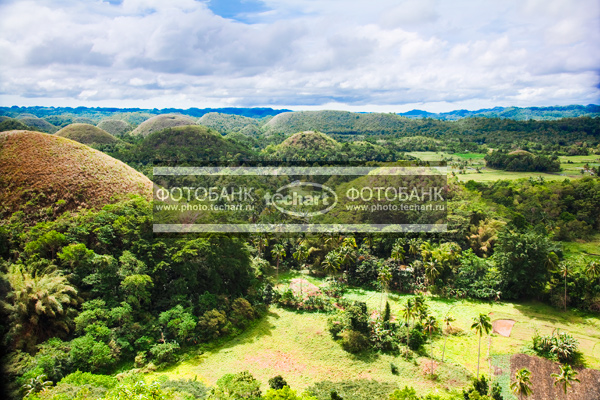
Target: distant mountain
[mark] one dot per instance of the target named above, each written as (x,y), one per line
(516,113)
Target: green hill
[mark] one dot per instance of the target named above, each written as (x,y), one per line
(335,122)
(115,127)
(227,123)
(42,174)
(188,144)
(86,134)
(38,123)
(161,122)
(84,120)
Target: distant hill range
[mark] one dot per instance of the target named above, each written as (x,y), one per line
(516,113)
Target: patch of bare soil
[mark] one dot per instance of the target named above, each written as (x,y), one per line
(503,327)
(543,384)
(303,287)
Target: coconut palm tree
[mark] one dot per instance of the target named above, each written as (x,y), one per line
(448,319)
(39,306)
(384,277)
(398,251)
(409,312)
(414,247)
(565,378)
(521,386)
(278,251)
(563,270)
(430,326)
(331,263)
(592,270)
(481,324)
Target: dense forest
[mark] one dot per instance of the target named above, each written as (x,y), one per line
(92,299)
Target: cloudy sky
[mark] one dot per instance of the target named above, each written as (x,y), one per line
(375,55)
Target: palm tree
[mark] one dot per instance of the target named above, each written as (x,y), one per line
(331,263)
(383,278)
(447,320)
(278,251)
(563,270)
(414,246)
(481,324)
(431,271)
(592,270)
(521,386)
(397,251)
(39,306)
(565,378)
(409,312)
(430,326)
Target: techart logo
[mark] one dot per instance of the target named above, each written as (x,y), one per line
(303,199)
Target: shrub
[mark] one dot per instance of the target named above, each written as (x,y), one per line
(359,389)
(90,354)
(285,393)
(358,318)
(277,382)
(236,386)
(187,386)
(417,339)
(213,324)
(86,378)
(163,353)
(354,341)
(394,368)
(558,346)
(241,312)
(138,390)
(408,393)
(178,323)
(335,324)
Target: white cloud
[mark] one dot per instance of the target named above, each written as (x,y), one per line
(349,53)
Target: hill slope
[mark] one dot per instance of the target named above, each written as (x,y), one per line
(86,134)
(38,123)
(335,122)
(188,144)
(38,170)
(161,122)
(228,123)
(115,127)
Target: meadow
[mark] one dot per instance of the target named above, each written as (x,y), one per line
(298,346)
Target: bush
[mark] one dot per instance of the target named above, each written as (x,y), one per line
(213,324)
(416,340)
(236,386)
(86,378)
(359,389)
(186,386)
(336,324)
(90,354)
(163,353)
(285,393)
(277,382)
(354,341)
(394,368)
(558,346)
(138,390)
(241,312)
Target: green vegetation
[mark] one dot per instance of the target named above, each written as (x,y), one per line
(115,127)
(86,134)
(160,122)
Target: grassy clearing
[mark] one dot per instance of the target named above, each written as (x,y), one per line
(571,166)
(299,347)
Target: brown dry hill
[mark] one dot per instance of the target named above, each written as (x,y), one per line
(161,122)
(543,384)
(86,134)
(37,170)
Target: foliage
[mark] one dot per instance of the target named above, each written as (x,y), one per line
(558,346)
(277,382)
(90,354)
(354,341)
(191,387)
(138,390)
(285,393)
(236,386)
(213,324)
(358,389)
(164,353)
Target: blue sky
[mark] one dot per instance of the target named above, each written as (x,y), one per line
(377,55)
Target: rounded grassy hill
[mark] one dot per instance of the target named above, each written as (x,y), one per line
(115,127)
(41,174)
(160,122)
(86,134)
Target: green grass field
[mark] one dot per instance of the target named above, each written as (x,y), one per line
(571,166)
(298,346)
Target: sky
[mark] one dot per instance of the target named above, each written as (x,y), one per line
(376,55)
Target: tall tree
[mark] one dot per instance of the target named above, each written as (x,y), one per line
(448,319)
(39,306)
(521,386)
(409,312)
(481,325)
(430,326)
(566,378)
(278,252)
(563,270)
